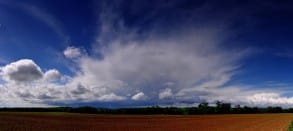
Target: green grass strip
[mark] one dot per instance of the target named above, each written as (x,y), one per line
(291,127)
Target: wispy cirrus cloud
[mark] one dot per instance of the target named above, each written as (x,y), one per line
(48,19)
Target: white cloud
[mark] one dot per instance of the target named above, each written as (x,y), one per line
(167,93)
(110,97)
(138,96)
(25,81)
(52,75)
(269,98)
(24,70)
(72,52)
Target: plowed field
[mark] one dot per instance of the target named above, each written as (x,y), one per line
(67,121)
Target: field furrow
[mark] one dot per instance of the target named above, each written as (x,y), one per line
(67,121)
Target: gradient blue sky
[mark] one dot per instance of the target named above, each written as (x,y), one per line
(141,53)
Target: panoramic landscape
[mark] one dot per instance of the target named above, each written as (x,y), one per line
(146,65)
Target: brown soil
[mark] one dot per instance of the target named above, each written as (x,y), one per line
(76,122)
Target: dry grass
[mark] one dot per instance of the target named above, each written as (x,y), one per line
(67,121)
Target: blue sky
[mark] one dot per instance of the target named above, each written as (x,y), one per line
(130,53)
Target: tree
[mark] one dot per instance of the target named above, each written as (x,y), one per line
(223,107)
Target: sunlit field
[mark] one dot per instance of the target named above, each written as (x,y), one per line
(70,121)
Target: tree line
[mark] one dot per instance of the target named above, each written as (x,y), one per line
(202,108)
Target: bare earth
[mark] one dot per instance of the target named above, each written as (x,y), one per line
(67,121)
